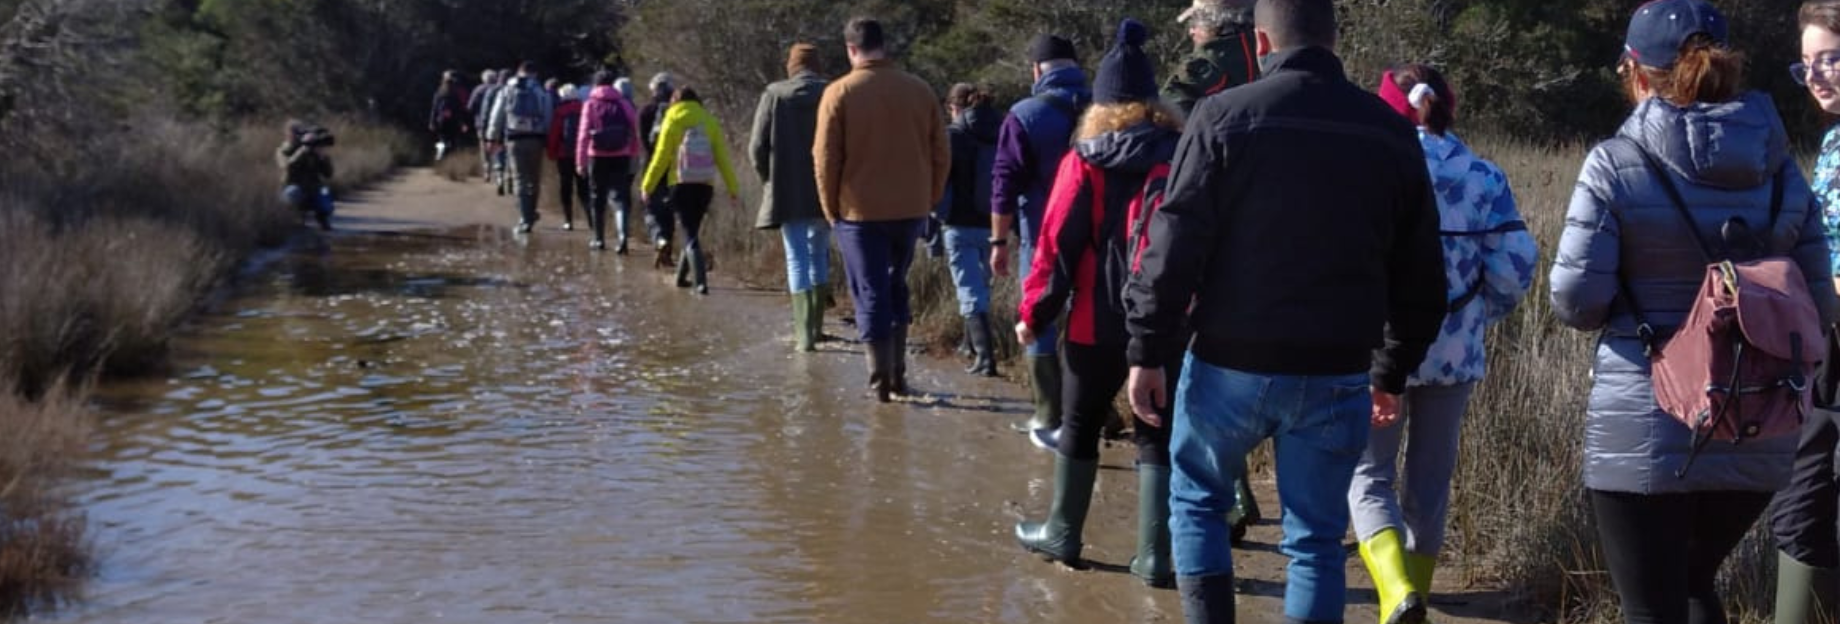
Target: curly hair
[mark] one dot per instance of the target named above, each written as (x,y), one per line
(1103,118)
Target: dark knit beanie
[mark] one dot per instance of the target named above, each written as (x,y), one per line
(1125,74)
(1051,48)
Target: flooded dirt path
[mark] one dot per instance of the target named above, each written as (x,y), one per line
(425,419)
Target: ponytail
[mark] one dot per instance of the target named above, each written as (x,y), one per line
(1427,96)
(1706,72)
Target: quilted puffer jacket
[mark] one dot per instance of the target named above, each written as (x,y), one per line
(1725,159)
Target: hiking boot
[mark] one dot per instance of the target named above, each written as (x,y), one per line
(1804,594)
(979,336)
(1045,389)
(1058,538)
(1207,599)
(877,356)
(1152,564)
(1401,602)
(663,257)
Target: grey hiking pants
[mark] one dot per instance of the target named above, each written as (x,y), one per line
(527,173)
(1430,424)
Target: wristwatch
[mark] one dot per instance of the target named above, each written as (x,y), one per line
(998,242)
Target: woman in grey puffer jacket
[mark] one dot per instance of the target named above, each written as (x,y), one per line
(1725,149)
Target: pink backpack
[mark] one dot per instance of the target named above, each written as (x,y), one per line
(1739,367)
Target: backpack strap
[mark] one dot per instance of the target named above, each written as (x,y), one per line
(1475,288)
(1660,173)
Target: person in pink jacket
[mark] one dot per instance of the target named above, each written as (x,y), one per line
(605,145)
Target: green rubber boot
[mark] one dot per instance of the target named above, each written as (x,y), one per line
(1153,564)
(801,322)
(1058,538)
(1804,594)
(1045,385)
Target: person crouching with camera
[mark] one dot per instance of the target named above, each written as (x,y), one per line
(306,172)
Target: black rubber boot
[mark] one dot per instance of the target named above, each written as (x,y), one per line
(897,362)
(1058,538)
(877,352)
(1153,564)
(1207,599)
(683,270)
(977,330)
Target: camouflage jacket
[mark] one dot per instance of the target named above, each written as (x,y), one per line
(1216,66)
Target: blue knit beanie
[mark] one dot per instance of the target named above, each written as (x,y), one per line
(1125,74)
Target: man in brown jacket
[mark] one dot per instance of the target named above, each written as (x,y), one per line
(882,157)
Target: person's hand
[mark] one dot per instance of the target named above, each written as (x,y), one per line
(1149,394)
(999,260)
(1386,409)
(644,198)
(1024,335)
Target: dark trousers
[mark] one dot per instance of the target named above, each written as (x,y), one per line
(1806,517)
(876,257)
(660,216)
(1091,377)
(691,203)
(1664,550)
(611,180)
(574,187)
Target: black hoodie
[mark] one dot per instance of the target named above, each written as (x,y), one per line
(1081,263)
(974,152)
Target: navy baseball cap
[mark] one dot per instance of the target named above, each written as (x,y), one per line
(1660,27)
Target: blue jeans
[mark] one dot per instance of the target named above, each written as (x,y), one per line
(876,256)
(1047,337)
(969,252)
(808,253)
(1319,426)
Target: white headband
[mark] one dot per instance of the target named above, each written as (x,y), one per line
(1422,96)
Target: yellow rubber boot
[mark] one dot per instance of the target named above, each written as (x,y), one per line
(1401,601)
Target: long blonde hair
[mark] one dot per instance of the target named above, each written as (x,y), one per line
(1103,118)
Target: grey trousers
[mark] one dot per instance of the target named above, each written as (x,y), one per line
(1430,424)
(527,174)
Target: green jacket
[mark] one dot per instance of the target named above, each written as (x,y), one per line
(785,126)
(1216,66)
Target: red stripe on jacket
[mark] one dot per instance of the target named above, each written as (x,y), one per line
(1065,266)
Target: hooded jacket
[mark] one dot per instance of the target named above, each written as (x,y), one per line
(1084,222)
(1725,159)
(1489,257)
(599,103)
(1033,139)
(679,119)
(559,149)
(1215,66)
(785,126)
(973,137)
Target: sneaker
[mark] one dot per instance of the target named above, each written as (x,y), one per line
(524,227)
(598,245)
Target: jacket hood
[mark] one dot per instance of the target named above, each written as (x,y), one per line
(982,123)
(805,87)
(606,93)
(1733,145)
(1135,149)
(1069,80)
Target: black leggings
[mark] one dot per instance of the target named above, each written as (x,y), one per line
(1091,377)
(574,186)
(1664,550)
(610,179)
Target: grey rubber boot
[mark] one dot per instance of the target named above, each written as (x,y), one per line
(1804,594)
(1153,564)
(897,362)
(877,355)
(978,333)
(1059,537)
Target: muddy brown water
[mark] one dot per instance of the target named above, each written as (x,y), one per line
(460,426)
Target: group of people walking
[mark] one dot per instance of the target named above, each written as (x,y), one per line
(1257,248)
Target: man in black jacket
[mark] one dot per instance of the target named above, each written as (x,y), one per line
(1310,302)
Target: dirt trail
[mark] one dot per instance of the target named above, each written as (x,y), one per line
(943,476)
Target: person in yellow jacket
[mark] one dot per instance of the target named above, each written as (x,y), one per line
(690,154)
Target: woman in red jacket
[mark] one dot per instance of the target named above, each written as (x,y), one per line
(1122,146)
(563,128)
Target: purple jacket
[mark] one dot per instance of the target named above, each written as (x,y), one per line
(603,98)
(1034,137)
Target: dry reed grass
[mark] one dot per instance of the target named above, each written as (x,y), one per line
(102,255)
